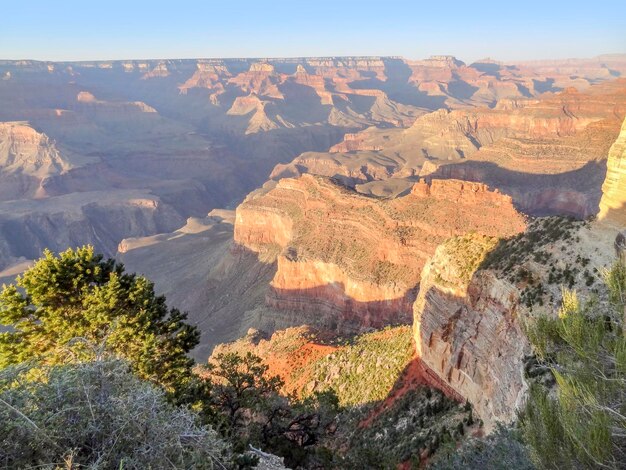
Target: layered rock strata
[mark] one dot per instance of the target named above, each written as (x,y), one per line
(613,202)
(356,261)
(466,329)
(548,153)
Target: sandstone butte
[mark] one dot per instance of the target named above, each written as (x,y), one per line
(349,261)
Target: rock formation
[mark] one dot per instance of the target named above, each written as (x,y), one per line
(24,150)
(27,159)
(546,153)
(613,202)
(357,260)
(475,293)
(467,331)
(99,218)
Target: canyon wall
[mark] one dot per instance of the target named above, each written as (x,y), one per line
(475,292)
(547,153)
(96,218)
(613,202)
(467,331)
(353,261)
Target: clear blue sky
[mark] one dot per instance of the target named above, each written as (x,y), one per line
(505,30)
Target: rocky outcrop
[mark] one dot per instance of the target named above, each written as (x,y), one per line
(613,202)
(475,293)
(160,70)
(88,102)
(207,76)
(257,109)
(342,303)
(352,143)
(27,159)
(354,261)
(317,82)
(260,79)
(24,150)
(466,329)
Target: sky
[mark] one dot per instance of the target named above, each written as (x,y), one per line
(135,29)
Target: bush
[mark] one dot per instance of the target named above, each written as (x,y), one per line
(98,414)
(77,306)
(582,422)
(248,408)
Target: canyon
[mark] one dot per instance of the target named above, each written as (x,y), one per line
(201,134)
(561,139)
(346,194)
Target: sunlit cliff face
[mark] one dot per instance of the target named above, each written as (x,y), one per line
(613,202)
(356,260)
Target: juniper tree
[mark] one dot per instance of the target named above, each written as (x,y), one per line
(77,306)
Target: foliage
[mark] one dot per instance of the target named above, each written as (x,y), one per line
(240,386)
(467,253)
(100,415)
(503,449)
(516,250)
(543,256)
(77,306)
(367,368)
(295,428)
(583,422)
(249,409)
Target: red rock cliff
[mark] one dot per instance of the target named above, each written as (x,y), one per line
(357,260)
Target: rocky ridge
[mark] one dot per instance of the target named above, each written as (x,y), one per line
(548,154)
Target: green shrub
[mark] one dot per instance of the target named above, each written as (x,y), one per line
(98,415)
(582,423)
(77,306)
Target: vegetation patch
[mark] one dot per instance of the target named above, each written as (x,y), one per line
(577,419)
(366,368)
(546,244)
(409,432)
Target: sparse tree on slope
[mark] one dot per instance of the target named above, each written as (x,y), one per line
(248,408)
(240,387)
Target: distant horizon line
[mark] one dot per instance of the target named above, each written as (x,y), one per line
(320,57)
